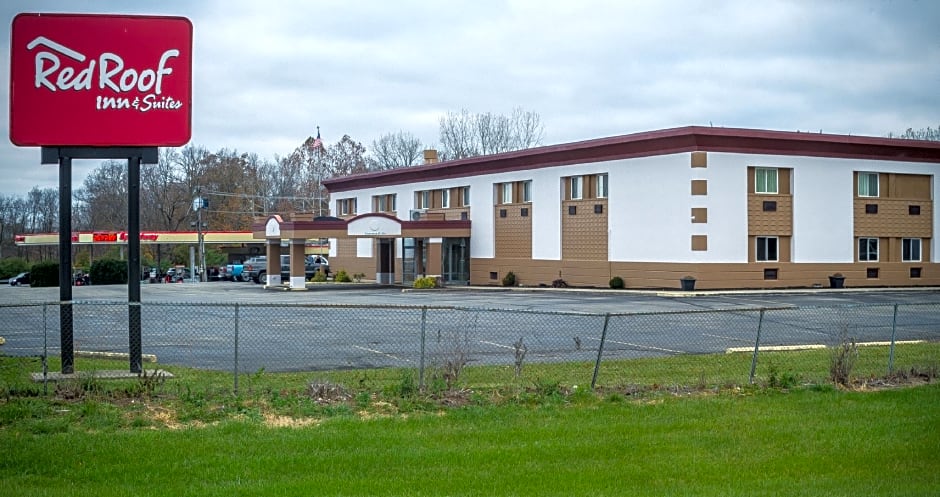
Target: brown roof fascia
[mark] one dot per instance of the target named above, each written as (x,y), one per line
(652,143)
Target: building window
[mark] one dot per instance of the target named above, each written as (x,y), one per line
(910,249)
(576,188)
(346,206)
(505,193)
(526,191)
(867,184)
(765,180)
(466,196)
(445,199)
(868,249)
(767,249)
(601,185)
(423,199)
(384,203)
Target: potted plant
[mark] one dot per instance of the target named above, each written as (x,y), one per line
(837,281)
(688,283)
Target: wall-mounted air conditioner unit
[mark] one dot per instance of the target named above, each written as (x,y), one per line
(415,214)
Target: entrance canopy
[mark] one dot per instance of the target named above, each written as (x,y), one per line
(372,225)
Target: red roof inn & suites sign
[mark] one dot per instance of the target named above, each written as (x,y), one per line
(100,80)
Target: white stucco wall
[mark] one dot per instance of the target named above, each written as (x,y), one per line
(650,202)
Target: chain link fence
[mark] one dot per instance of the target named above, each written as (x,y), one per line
(488,347)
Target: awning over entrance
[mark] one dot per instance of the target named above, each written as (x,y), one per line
(372,225)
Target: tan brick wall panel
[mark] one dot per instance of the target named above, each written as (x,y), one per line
(584,235)
(652,275)
(779,222)
(893,219)
(513,232)
(346,259)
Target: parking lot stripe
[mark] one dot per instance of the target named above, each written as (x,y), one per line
(379,352)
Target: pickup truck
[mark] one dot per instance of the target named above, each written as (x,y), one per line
(256,268)
(232,272)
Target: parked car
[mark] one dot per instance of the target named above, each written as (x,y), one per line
(178,273)
(20,279)
(312,265)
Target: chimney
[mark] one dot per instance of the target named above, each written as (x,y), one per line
(430,156)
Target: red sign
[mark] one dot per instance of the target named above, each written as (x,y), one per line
(100,80)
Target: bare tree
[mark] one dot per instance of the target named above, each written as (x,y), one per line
(928,133)
(345,157)
(12,220)
(102,200)
(164,196)
(395,150)
(467,135)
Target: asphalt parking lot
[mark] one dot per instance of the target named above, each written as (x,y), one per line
(574,300)
(365,326)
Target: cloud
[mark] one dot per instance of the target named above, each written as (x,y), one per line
(268,73)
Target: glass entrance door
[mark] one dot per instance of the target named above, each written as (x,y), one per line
(456,263)
(408,266)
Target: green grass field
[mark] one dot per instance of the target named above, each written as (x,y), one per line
(677,426)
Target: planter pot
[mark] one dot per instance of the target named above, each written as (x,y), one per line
(688,284)
(837,282)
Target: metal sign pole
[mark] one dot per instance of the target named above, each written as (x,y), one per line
(66,337)
(133,263)
(134,156)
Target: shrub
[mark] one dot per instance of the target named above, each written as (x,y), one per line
(108,272)
(318,277)
(509,279)
(342,277)
(12,266)
(616,282)
(358,277)
(44,274)
(425,282)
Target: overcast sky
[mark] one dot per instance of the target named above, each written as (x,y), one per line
(266,73)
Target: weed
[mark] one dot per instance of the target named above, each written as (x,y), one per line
(781,380)
(520,350)
(148,384)
(454,355)
(842,358)
(325,392)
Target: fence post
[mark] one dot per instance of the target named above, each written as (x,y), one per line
(894,328)
(236,349)
(600,351)
(424,321)
(45,351)
(760,323)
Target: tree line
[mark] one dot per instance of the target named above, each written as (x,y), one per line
(241,187)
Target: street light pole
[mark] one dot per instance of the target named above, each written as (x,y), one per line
(202,247)
(199,204)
